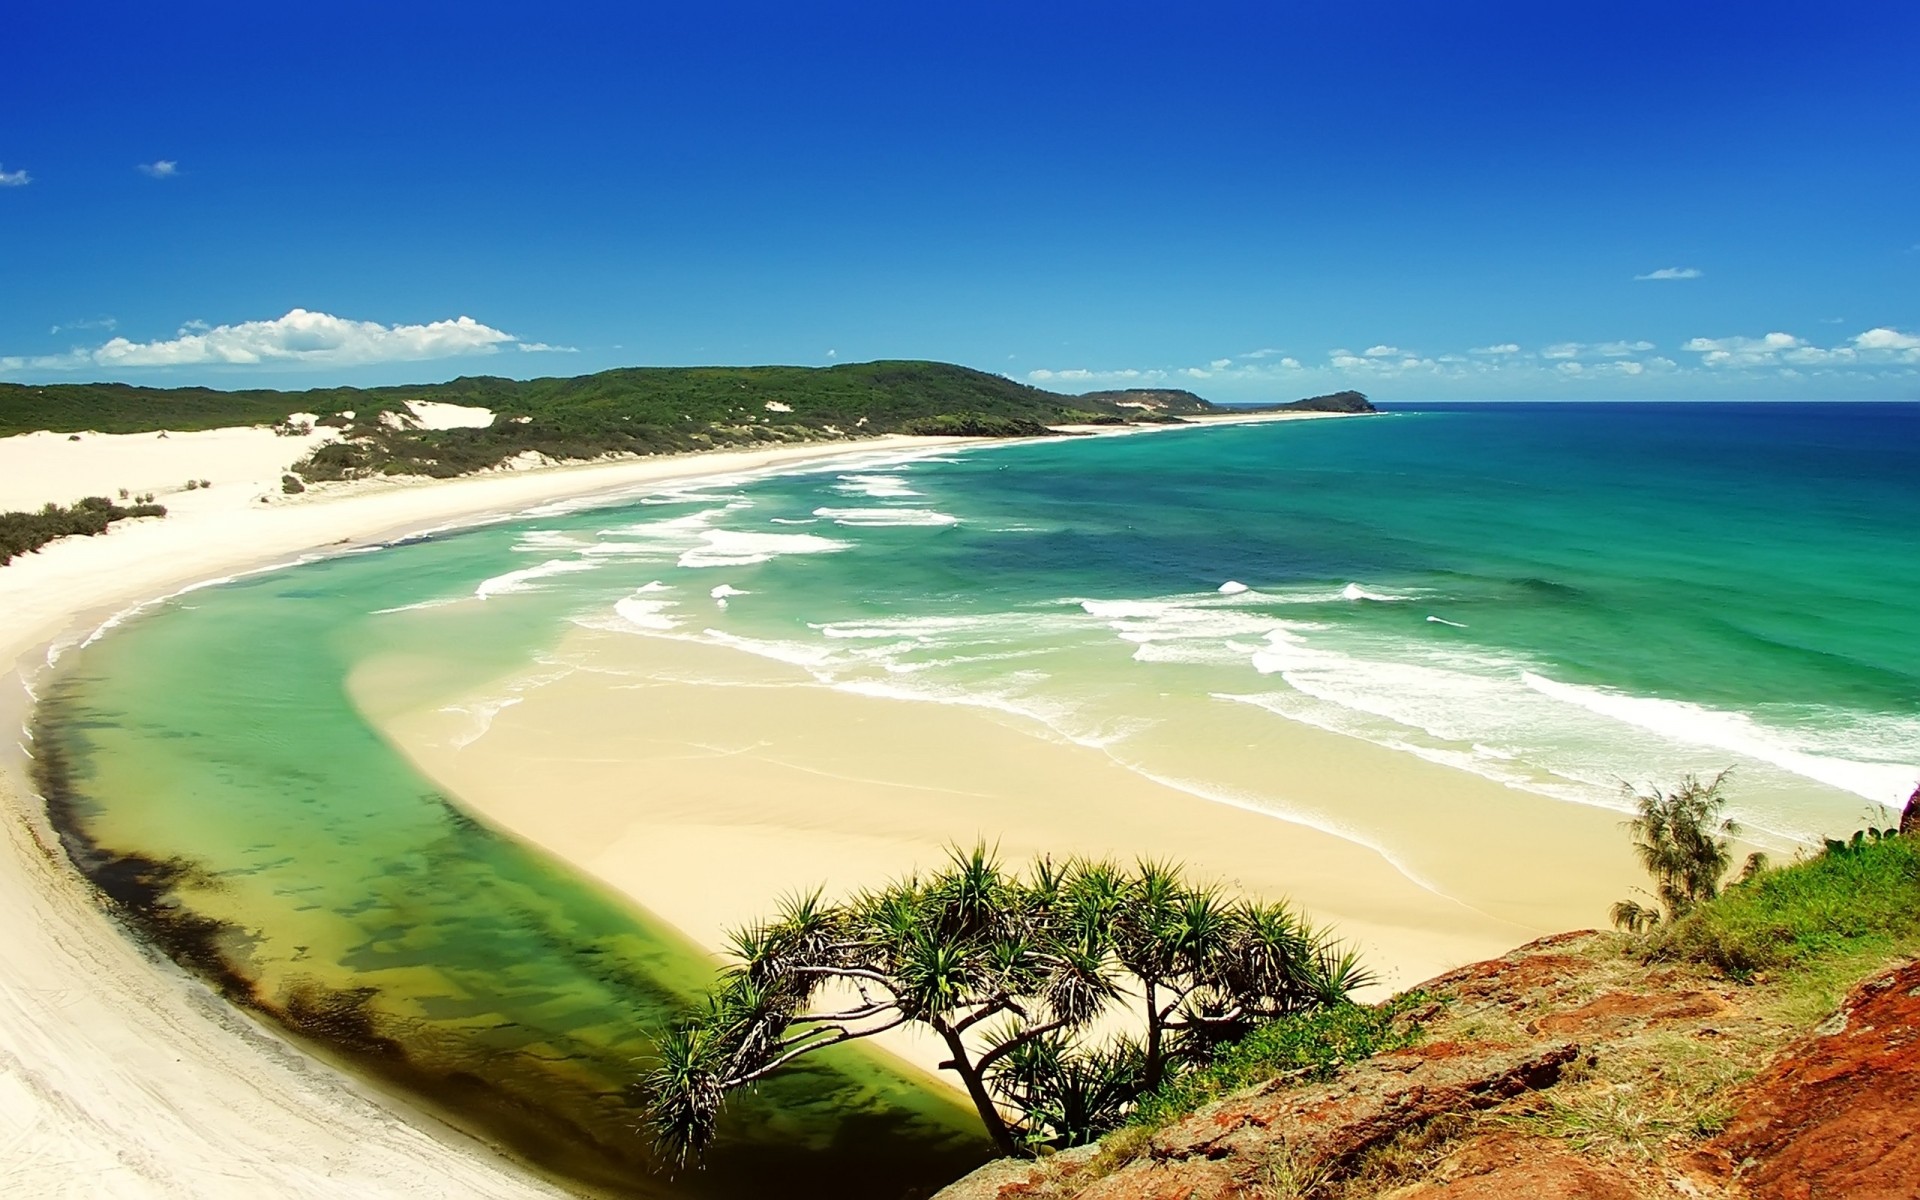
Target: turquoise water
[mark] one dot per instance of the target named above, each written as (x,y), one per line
(1557,597)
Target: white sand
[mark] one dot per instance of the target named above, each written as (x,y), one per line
(120,1076)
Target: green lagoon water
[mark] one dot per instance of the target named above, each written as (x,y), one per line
(1558,597)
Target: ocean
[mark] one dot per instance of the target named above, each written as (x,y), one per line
(1568,599)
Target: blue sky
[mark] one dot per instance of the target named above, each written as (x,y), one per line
(1432,200)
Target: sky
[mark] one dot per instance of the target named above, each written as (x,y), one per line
(1438,200)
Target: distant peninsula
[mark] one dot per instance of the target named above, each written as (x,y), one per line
(1163,402)
(627,411)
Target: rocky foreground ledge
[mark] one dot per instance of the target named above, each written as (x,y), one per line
(1563,1071)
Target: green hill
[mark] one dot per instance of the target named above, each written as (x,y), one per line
(632,410)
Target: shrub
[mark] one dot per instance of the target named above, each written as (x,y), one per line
(1310,1045)
(1862,894)
(24,533)
(291,485)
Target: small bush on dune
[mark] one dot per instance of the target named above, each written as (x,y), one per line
(24,533)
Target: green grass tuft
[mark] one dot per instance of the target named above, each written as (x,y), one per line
(1852,899)
(1308,1046)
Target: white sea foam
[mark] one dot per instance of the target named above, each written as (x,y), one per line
(734,548)
(726,589)
(440,603)
(527,579)
(1232,587)
(798,654)
(481,713)
(878,487)
(546,541)
(1884,782)
(953,628)
(647,608)
(1354,591)
(1443,621)
(1059,717)
(879,517)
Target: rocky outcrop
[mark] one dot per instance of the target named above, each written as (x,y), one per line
(1317,1131)
(1561,1071)
(1507,1166)
(1839,1114)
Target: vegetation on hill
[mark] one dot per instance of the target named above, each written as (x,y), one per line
(26,532)
(1860,896)
(1340,402)
(1163,402)
(1013,973)
(630,411)
(871,397)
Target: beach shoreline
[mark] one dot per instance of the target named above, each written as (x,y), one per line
(119,1074)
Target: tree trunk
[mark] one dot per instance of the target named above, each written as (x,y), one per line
(1154,1067)
(977,1090)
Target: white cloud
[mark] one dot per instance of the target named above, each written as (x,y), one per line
(544,348)
(1291,364)
(1595,349)
(18,178)
(45,362)
(106,323)
(1671,273)
(1502,348)
(1743,351)
(1877,347)
(1221,364)
(300,337)
(1882,338)
(1083,375)
(1380,360)
(1263,352)
(161,168)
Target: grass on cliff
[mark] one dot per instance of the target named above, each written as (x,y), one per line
(1303,1048)
(1855,899)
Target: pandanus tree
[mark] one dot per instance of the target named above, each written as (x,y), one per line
(1061,995)
(1684,841)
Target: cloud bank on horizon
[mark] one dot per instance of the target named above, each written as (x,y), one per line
(1879,351)
(1435,201)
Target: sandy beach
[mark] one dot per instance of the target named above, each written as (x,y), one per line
(121,1076)
(705,784)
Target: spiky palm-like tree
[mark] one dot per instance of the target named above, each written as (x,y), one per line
(1684,841)
(1011,972)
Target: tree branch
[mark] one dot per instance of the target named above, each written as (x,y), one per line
(1014,1043)
(840,1035)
